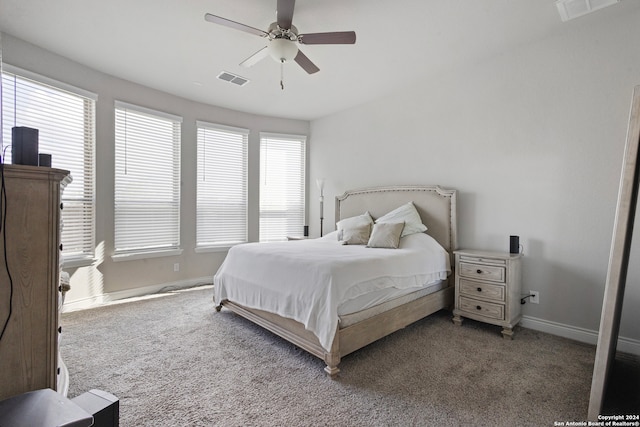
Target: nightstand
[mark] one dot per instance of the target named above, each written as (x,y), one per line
(488,288)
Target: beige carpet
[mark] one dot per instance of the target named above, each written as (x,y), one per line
(173,361)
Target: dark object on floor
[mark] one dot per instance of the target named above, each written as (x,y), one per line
(104,407)
(42,408)
(623,392)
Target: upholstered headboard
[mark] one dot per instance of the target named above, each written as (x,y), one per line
(436,206)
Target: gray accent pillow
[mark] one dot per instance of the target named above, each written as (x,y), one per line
(386,235)
(356,235)
(354,222)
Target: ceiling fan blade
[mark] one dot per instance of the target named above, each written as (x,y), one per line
(336,37)
(306,63)
(284,11)
(233,24)
(255,58)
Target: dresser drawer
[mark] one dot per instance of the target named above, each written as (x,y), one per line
(487,309)
(482,272)
(482,290)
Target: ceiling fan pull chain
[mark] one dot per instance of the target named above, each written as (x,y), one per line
(282,74)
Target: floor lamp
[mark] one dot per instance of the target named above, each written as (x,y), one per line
(320,184)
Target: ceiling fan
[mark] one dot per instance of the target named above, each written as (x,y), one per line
(283,37)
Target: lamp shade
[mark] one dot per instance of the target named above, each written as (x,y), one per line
(282,50)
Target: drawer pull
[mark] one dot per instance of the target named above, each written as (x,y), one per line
(479,271)
(60,246)
(479,289)
(478,307)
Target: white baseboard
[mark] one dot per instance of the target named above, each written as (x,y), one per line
(98,300)
(625,345)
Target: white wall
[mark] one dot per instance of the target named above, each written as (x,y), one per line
(88,284)
(532,139)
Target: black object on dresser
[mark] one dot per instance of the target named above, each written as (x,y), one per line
(24,146)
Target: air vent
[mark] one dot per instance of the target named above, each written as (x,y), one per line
(570,9)
(233,78)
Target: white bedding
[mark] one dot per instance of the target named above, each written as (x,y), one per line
(306,280)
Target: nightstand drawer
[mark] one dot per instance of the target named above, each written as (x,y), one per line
(487,309)
(482,290)
(482,272)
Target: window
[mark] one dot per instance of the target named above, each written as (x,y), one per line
(147,182)
(222,185)
(65,119)
(282,189)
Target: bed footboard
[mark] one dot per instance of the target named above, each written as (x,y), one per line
(352,338)
(363,333)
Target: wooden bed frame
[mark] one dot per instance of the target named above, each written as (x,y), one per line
(437,208)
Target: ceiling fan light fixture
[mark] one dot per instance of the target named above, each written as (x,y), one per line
(282,50)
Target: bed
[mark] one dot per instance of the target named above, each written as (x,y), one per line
(315,295)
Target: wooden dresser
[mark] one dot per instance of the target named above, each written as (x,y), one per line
(488,288)
(29,347)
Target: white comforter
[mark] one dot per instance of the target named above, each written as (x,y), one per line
(307,280)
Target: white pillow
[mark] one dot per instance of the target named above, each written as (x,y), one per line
(356,235)
(386,235)
(408,214)
(354,222)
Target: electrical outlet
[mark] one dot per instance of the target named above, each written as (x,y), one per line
(176,266)
(535,297)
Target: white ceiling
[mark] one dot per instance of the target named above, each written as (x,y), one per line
(167,45)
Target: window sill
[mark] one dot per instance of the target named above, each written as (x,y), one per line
(144,255)
(76,262)
(206,249)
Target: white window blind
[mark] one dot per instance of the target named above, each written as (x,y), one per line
(222,185)
(282,186)
(65,119)
(147,180)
